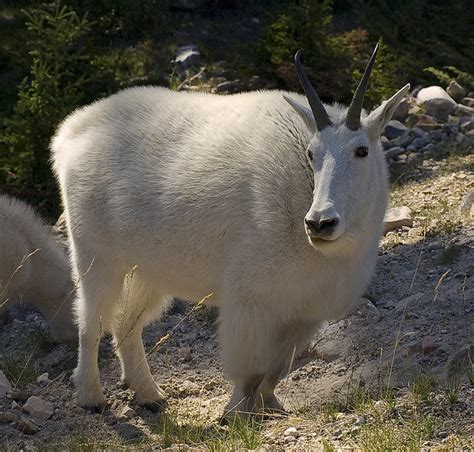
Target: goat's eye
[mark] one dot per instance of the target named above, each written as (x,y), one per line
(362,151)
(310,155)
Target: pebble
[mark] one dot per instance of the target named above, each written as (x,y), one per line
(43,379)
(38,407)
(127,413)
(5,385)
(6,417)
(397,217)
(26,426)
(291,431)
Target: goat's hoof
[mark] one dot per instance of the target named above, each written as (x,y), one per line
(96,409)
(155,407)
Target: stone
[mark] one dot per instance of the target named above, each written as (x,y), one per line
(5,385)
(291,431)
(289,439)
(455,90)
(424,122)
(404,140)
(26,426)
(412,148)
(460,138)
(438,103)
(417,132)
(396,217)
(467,125)
(227,86)
(189,388)
(428,148)
(6,417)
(468,101)
(419,142)
(187,56)
(127,413)
(43,379)
(380,406)
(185,354)
(394,129)
(464,110)
(394,152)
(402,110)
(39,408)
(467,203)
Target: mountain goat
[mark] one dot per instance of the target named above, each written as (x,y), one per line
(34,270)
(277,213)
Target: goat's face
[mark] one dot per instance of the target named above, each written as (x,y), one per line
(345,167)
(346,161)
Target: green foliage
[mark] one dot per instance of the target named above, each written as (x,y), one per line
(422,33)
(449,73)
(58,68)
(334,62)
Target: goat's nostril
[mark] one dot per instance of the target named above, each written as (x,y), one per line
(312,225)
(328,223)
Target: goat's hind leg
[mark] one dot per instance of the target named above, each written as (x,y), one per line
(137,307)
(99,287)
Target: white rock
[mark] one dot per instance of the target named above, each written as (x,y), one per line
(437,102)
(291,431)
(289,439)
(39,408)
(5,385)
(43,378)
(397,217)
(187,56)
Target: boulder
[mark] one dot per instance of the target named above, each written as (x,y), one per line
(455,90)
(437,102)
(397,217)
(394,129)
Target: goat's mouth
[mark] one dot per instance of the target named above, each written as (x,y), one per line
(319,241)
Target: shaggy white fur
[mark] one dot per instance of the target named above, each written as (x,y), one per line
(44,279)
(207,193)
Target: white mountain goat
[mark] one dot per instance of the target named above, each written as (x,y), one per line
(34,270)
(275,212)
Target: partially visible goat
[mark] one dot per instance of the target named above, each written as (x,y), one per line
(278,214)
(34,270)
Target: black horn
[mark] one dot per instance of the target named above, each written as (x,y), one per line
(319,112)
(355,108)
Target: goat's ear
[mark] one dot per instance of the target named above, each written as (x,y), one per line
(304,112)
(378,119)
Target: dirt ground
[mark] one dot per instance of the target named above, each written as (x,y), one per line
(415,327)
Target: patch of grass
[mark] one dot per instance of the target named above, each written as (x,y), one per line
(240,433)
(397,434)
(38,341)
(451,390)
(19,369)
(422,387)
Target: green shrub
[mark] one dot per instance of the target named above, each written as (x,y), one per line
(57,76)
(421,34)
(334,62)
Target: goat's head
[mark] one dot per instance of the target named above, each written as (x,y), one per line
(346,159)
